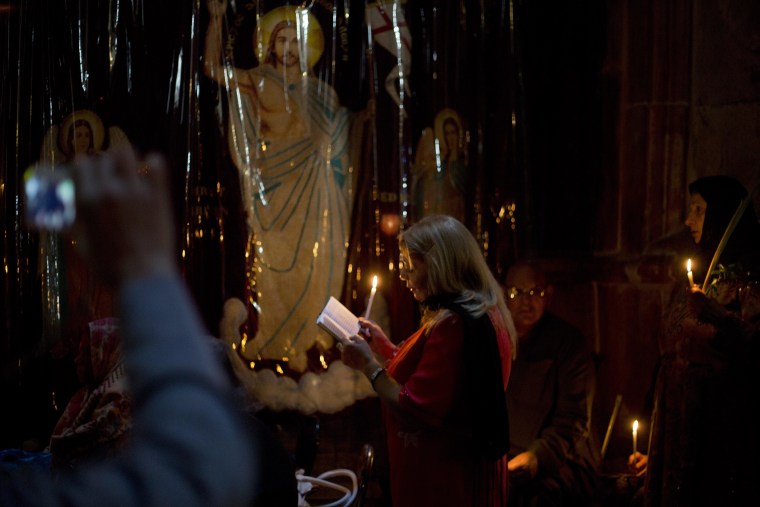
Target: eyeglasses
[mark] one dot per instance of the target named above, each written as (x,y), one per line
(534,292)
(405,264)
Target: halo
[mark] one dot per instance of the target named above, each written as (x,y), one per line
(308,28)
(95,124)
(441,117)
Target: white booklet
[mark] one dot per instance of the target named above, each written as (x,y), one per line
(338,320)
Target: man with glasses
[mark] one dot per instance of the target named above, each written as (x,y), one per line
(549,398)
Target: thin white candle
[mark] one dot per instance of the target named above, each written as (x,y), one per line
(689,273)
(635,432)
(371,297)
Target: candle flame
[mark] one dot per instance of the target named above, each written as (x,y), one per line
(374,282)
(688,264)
(636,425)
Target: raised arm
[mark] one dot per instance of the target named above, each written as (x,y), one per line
(189,445)
(213,66)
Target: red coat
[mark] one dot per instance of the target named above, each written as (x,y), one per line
(432,463)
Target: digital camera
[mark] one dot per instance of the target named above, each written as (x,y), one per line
(49,197)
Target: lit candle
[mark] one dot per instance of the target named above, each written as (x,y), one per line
(371,296)
(688,272)
(635,431)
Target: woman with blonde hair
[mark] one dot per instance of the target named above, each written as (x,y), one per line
(443,388)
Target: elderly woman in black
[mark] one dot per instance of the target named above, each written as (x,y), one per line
(704,442)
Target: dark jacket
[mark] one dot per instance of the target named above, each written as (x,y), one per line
(549,396)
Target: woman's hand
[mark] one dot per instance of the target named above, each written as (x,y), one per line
(705,308)
(376,338)
(357,354)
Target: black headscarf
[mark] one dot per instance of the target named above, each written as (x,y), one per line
(723,195)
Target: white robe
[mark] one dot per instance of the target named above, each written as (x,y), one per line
(295,192)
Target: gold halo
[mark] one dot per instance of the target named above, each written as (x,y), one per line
(440,118)
(95,124)
(315,41)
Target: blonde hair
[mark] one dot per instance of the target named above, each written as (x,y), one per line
(455,266)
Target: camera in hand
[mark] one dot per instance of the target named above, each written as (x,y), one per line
(49,198)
